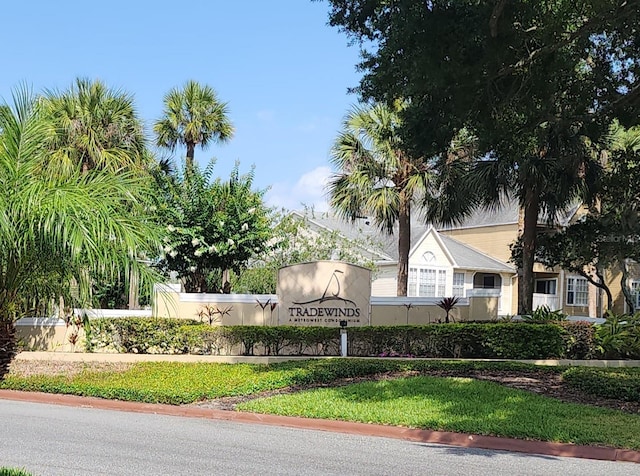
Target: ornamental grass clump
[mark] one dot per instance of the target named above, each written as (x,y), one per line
(447,304)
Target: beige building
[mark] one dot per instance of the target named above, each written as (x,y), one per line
(474,255)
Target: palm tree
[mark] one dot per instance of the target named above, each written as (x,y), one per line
(92,127)
(545,176)
(192,116)
(621,204)
(95,127)
(378,177)
(54,226)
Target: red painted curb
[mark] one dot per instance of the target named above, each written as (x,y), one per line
(365,429)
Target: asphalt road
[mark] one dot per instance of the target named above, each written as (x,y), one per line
(59,440)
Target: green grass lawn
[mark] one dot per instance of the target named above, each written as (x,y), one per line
(461,405)
(162,382)
(4,471)
(177,383)
(453,404)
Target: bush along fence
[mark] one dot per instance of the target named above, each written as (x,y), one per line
(513,340)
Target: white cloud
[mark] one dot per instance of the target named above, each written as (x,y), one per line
(309,190)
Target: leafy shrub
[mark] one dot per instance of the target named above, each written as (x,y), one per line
(204,339)
(293,340)
(497,340)
(447,304)
(607,383)
(138,335)
(544,314)
(487,340)
(619,336)
(579,340)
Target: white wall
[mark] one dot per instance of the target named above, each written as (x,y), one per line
(385,282)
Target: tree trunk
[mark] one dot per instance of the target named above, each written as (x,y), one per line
(624,284)
(191,148)
(134,284)
(8,347)
(600,284)
(529,239)
(404,242)
(226,281)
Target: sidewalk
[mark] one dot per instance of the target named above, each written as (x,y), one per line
(422,436)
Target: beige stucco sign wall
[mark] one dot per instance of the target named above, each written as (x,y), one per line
(323,293)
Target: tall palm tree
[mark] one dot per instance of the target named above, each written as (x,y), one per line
(378,177)
(545,176)
(193,116)
(93,127)
(56,226)
(621,201)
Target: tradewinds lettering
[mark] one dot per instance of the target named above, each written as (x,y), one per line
(322,312)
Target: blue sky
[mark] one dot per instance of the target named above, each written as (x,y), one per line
(282,70)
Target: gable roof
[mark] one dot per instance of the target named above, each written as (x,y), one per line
(358,231)
(461,255)
(507,214)
(469,258)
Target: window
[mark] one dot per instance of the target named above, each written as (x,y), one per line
(429,257)
(412,282)
(577,291)
(546,286)
(488,281)
(458,284)
(442,281)
(426,282)
(635,290)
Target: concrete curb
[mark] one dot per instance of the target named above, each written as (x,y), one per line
(365,429)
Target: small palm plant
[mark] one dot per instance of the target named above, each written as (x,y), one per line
(544,314)
(447,304)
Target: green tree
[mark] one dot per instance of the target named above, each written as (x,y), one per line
(609,235)
(93,127)
(531,79)
(377,176)
(296,241)
(583,248)
(619,210)
(545,179)
(193,116)
(214,226)
(96,127)
(56,227)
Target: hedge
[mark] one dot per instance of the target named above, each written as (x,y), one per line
(138,335)
(606,383)
(461,340)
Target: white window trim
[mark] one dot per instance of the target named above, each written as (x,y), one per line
(634,286)
(438,270)
(547,279)
(575,280)
(461,287)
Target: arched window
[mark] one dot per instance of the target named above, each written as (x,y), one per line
(429,257)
